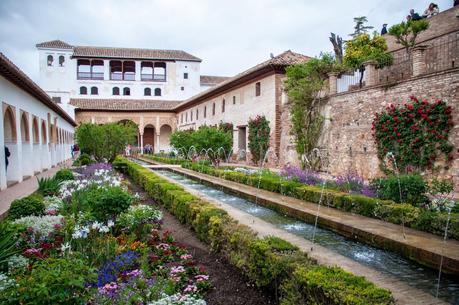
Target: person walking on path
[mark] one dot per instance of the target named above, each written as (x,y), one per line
(7,155)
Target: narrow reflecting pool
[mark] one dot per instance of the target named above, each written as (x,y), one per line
(384,261)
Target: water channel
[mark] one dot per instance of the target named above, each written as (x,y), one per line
(384,261)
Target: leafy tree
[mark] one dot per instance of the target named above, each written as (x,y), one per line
(360,27)
(406,33)
(303,85)
(181,140)
(259,131)
(105,141)
(212,139)
(363,48)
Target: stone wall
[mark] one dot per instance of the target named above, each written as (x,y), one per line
(347,134)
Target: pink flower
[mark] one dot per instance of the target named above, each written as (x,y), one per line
(201,277)
(190,288)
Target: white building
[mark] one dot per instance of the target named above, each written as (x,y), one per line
(37,133)
(256,91)
(82,72)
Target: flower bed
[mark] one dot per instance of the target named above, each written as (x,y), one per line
(270,262)
(75,254)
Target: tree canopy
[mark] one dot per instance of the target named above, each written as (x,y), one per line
(104,142)
(406,33)
(360,27)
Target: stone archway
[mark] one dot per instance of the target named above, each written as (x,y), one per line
(13,170)
(149,138)
(164,138)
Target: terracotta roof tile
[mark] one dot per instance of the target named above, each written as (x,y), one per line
(54,44)
(15,75)
(105,52)
(284,59)
(123,104)
(212,80)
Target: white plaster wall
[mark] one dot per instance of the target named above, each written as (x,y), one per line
(25,155)
(63,82)
(247,106)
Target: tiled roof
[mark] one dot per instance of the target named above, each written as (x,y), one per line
(105,52)
(282,60)
(54,44)
(123,104)
(15,75)
(212,80)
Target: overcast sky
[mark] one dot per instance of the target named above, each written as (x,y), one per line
(229,36)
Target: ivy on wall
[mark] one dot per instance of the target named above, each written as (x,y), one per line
(259,131)
(304,84)
(415,133)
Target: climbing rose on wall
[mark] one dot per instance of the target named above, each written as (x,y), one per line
(259,131)
(416,133)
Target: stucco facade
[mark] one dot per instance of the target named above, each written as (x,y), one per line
(38,136)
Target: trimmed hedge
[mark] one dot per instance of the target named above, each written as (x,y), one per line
(27,206)
(271,262)
(387,210)
(165,159)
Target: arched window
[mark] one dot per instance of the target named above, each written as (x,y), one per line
(158,92)
(35,131)
(234,100)
(191,115)
(205,111)
(147,92)
(197,114)
(50,60)
(94,91)
(257,89)
(83,90)
(213,109)
(126,91)
(61,60)
(223,106)
(116,91)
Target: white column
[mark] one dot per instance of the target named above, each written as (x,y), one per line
(157,149)
(141,143)
(2,157)
(106,69)
(137,70)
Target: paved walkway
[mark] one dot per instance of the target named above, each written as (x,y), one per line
(24,188)
(403,293)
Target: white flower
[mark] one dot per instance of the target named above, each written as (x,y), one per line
(66,246)
(96,225)
(110,223)
(104,229)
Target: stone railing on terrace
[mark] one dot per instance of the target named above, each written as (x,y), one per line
(436,56)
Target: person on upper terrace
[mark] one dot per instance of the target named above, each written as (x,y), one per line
(413,15)
(384,29)
(432,10)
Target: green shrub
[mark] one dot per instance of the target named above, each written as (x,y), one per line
(64,174)
(413,189)
(83,159)
(48,186)
(8,245)
(332,286)
(53,281)
(108,202)
(27,206)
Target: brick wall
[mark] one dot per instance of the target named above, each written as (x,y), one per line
(347,132)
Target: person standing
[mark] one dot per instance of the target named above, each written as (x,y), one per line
(384,29)
(7,155)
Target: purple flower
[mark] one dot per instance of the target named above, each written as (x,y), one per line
(301,175)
